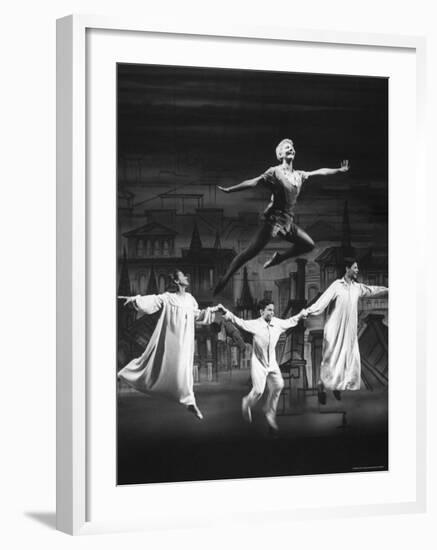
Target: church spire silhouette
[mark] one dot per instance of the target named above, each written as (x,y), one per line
(196,243)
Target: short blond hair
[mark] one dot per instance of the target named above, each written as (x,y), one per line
(281,145)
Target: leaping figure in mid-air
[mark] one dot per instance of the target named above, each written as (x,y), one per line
(285,184)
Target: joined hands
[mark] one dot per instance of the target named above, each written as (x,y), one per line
(303,314)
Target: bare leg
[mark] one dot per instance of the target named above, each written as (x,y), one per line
(259,241)
(301,244)
(194,409)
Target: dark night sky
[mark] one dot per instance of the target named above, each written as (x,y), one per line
(197,127)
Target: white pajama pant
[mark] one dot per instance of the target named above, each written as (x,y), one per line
(275,383)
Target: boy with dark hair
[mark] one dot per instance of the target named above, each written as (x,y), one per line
(266,331)
(340,368)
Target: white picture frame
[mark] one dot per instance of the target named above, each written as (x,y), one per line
(73,437)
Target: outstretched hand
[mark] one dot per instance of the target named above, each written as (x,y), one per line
(127,299)
(344,167)
(220,308)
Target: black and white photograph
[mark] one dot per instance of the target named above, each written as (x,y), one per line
(252,274)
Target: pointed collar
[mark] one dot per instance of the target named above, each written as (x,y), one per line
(271,324)
(343,280)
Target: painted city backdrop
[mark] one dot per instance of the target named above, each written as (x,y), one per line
(182,132)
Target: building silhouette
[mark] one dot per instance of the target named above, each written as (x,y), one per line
(149,251)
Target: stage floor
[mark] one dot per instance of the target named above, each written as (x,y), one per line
(159,441)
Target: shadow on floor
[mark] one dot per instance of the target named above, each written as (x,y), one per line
(45,518)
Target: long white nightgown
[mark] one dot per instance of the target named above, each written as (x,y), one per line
(166,366)
(341,365)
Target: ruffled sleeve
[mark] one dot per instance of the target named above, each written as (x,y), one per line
(367,291)
(269,177)
(323,302)
(202,316)
(149,304)
(303,176)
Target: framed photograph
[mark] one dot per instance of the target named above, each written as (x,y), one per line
(237,326)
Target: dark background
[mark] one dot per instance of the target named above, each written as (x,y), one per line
(199,127)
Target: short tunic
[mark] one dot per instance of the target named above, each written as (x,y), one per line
(285,187)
